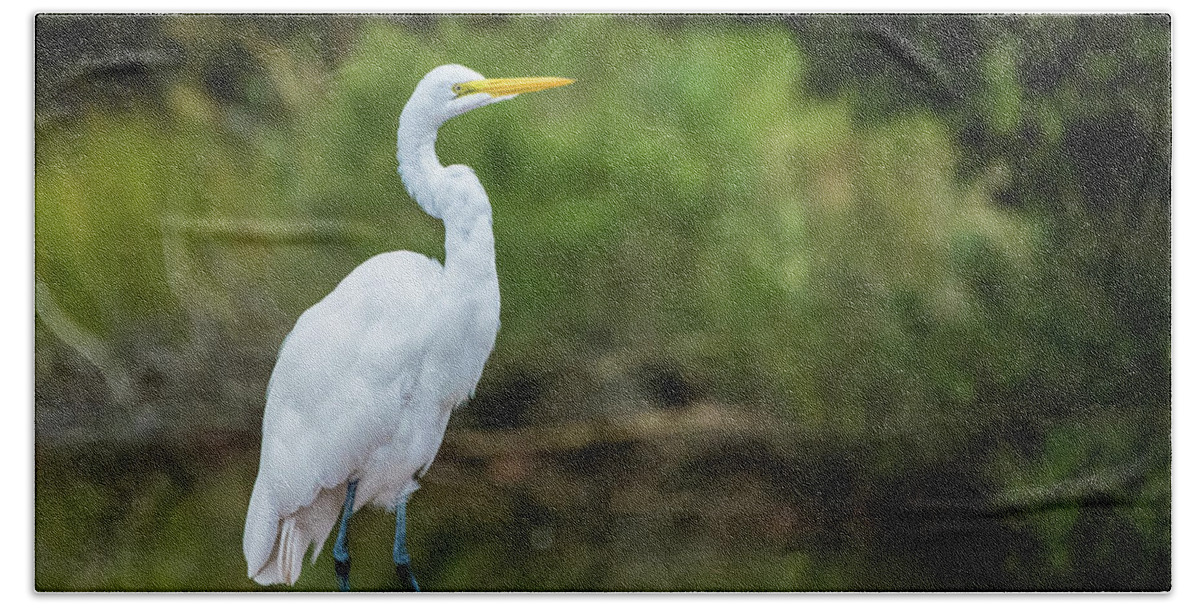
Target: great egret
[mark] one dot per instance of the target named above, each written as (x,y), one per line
(364,384)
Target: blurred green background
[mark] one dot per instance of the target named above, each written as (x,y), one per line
(789,302)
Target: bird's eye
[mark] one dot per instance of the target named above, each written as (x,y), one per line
(457,89)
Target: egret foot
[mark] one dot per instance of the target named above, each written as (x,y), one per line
(342,569)
(404,574)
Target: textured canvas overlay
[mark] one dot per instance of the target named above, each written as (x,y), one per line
(693,302)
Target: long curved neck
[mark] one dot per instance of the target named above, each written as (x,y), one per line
(470,244)
(416,153)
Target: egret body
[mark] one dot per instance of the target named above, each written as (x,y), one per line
(364,384)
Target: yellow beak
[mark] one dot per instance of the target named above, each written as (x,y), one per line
(499,87)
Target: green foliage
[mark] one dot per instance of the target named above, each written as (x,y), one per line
(925,243)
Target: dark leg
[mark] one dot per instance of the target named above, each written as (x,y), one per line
(408,582)
(341,553)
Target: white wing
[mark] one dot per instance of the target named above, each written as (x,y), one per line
(329,403)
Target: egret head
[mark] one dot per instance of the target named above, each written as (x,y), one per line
(450,90)
(442,94)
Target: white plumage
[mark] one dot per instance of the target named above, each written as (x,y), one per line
(364,384)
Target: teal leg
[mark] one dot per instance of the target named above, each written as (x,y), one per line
(341,553)
(400,556)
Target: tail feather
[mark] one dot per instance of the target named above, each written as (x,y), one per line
(289,546)
(259,540)
(318,518)
(275,547)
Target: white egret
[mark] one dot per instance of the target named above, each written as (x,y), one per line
(364,384)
